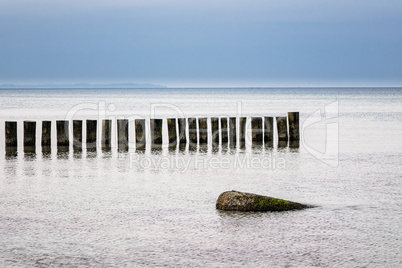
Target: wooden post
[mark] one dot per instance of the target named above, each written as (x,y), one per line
(224,129)
(77,134)
(203,130)
(192,131)
(62,134)
(172,135)
(242,130)
(156,131)
(122,134)
(232,131)
(140,134)
(11,134)
(293,118)
(29,134)
(268,130)
(282,127)
(256,129)
(182,131)
(91,134)
(106,140)
(11,139)
(215,131)
(46,135)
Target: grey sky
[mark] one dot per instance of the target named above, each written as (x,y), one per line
(202,43)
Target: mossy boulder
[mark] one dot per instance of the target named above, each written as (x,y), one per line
(239,201)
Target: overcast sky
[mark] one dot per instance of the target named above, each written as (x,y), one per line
(202,43)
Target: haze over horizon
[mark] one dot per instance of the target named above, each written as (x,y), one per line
(202,43)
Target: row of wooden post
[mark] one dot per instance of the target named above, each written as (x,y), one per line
(227,134)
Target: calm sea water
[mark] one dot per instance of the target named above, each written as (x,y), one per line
(157,208)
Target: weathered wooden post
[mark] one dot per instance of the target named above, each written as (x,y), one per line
(62,131)
(172,136)
(156,132)
(215,131)
(192,131)
(224,129)
(294,136)
(140,134)
(232,131)
(122,134)
(11,134)
(293,118)
(242,131)
(268,131)
(91,135)
(256,129)
(11,138)
(182,131)
(29,136)
(203,130)
(46,136)
(106,140)
(282,128)
(77,134)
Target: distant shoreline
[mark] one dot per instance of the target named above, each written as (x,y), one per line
(150,86)
(79,86)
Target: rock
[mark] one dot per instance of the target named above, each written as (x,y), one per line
(238,201)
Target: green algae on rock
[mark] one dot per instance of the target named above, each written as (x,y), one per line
(239,201)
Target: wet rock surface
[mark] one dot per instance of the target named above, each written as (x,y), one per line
(240,201)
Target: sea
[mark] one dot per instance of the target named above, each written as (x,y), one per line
(156,207)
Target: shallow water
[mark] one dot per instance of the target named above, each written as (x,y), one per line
(157,208)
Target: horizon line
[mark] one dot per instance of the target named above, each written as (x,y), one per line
(151,86)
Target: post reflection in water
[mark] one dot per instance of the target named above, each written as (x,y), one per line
(10,168)
(77,151)
(215,148)
(182,147)
(156,149)
(106,148)
(29,167)
(172,148)
(29,155)
(46,151)
(91,153)
(269,144)
(121,157)
(122,148)
(107,154)
(203,148)
(63,152)
(11,153)
(192,148)
(257,146)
